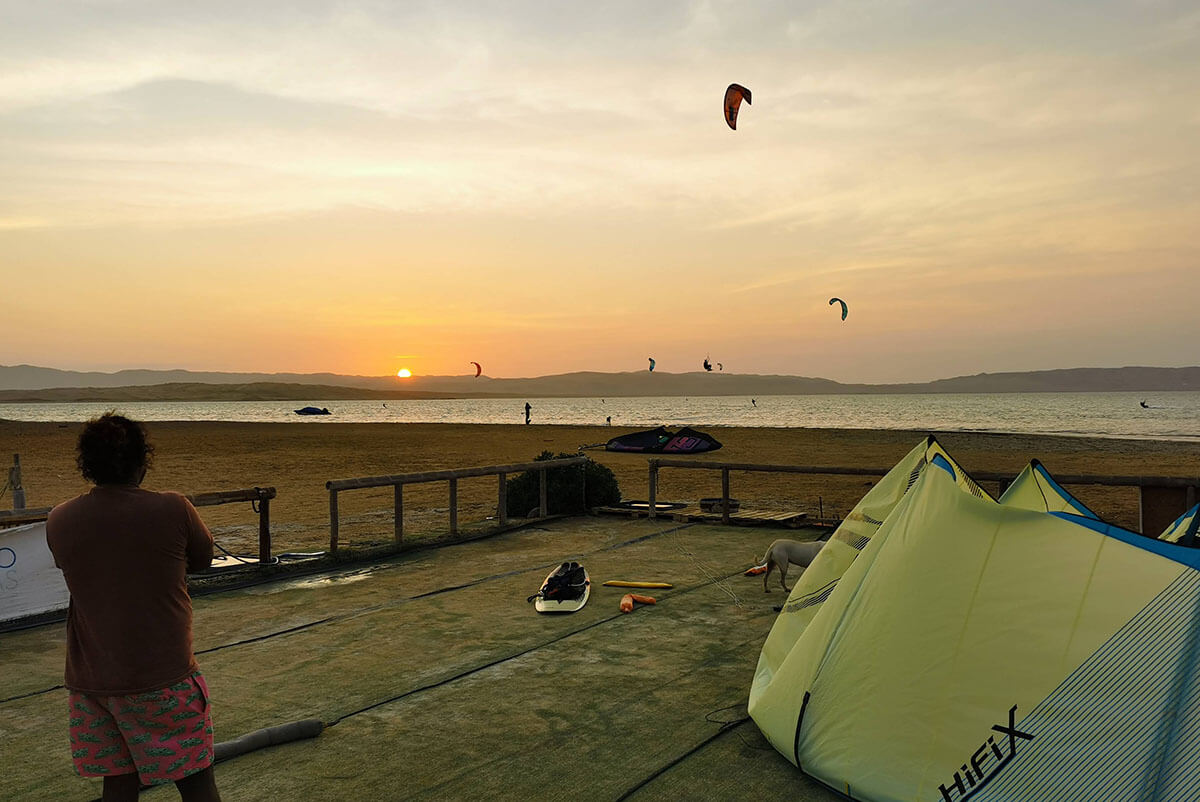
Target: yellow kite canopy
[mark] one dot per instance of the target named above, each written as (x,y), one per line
(1183,530)
(1035,489)
(734,95)
(990,651)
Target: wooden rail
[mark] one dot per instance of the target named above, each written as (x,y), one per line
(260,497)
(1163,498)
(399,480)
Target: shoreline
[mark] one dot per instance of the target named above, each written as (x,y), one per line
(626,428)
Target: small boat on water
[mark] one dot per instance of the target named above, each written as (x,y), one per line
(313,411)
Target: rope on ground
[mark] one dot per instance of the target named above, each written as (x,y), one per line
(239,559)
(498,661)
(703,569)
(726,726)
(31,693)
(735,722)
(377,607)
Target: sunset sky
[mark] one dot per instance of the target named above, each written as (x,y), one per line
(549,187)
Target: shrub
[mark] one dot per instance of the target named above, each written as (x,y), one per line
(564,487)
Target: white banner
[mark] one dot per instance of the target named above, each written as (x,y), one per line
(30,583)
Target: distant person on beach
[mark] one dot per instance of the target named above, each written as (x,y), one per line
(608,421)
(138,705)
(527,410)
(752,401)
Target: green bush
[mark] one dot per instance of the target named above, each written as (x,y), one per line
(564,487)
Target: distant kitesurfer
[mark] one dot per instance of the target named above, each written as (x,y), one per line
(1145,405)
(608,421)
(125,553)
(527,411)
(752,401)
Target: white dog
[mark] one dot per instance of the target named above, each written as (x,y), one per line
(782,552)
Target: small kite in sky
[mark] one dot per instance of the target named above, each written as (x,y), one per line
(707,365)
(651,363)
(734,96)
(478,368)
(833,301)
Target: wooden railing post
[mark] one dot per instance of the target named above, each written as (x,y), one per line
(264,530)
(14,484)
(502,499)
(333,522)
(652,488)
(396,481)
(543,511)
(725,495)
(398,512)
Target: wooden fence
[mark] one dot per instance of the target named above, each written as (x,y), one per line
(259,497)
(1162,498)
(398,481)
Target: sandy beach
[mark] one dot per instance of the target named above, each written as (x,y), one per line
(297,460)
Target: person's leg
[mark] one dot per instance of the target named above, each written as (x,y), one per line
(170,737)
(199,787)
(98,746)
(121,788)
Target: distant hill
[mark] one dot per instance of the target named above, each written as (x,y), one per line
(195,391)
(30,383)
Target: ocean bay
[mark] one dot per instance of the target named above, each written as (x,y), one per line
(1169,416)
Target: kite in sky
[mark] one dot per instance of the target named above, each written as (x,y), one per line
(478,368)
(651,363)
(833,301)
(734,96)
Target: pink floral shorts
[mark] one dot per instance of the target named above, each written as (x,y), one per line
(163,735)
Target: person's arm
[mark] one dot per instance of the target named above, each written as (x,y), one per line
(199,541)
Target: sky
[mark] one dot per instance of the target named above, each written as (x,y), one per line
(545,187)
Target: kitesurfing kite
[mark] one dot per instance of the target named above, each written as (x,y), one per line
(734,96)
(833,301)
(651,363)
(720,366)
(478,368)
(707,365)
(664,441)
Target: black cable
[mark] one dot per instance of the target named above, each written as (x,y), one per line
(377,607)
(523,652)
(274,560)
(679,759)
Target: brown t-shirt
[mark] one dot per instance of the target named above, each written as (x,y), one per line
(125,553)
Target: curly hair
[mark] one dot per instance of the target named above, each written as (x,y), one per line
(113,449)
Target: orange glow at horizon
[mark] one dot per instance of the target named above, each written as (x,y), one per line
(404,373)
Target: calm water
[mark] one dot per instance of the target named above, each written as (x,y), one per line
(1175,416)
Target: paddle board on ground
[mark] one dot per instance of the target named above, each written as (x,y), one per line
(565,590)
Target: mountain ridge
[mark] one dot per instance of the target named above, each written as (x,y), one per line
(34,383)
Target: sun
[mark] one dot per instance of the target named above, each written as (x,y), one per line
(404,373)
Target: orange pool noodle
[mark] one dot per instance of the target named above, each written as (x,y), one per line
(642,599)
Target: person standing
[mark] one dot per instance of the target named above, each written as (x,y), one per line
(138,705)
(527,411)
